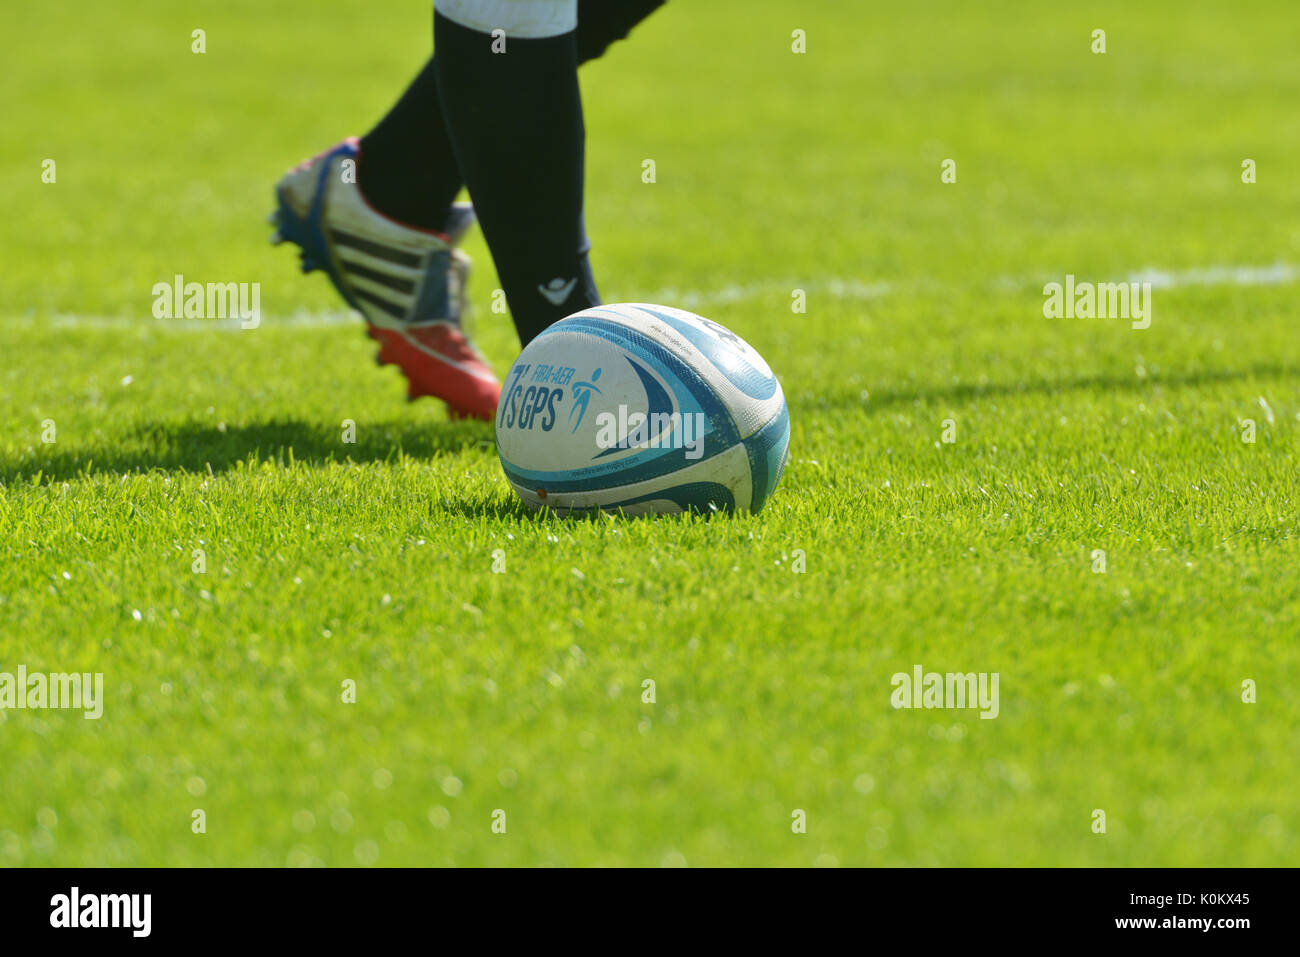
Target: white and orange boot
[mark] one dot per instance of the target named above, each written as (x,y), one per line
(408,283)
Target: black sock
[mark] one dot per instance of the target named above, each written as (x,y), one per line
(408,170)
(515,120)
(601,22)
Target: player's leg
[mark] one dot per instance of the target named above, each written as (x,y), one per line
(390,252)
(508,81)
(602,22)
(407,169)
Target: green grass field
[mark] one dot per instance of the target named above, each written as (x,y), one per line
(372,562)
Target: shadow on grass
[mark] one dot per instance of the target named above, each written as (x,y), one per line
(190,446)
(197,447)
(969,391)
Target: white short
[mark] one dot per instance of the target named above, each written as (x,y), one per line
(523,19)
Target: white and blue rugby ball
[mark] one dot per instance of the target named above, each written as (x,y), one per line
(642,408)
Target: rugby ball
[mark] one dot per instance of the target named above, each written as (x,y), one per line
(641,409)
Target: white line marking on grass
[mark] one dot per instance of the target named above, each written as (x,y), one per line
(835,288)
(1277,274)
(306,320)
